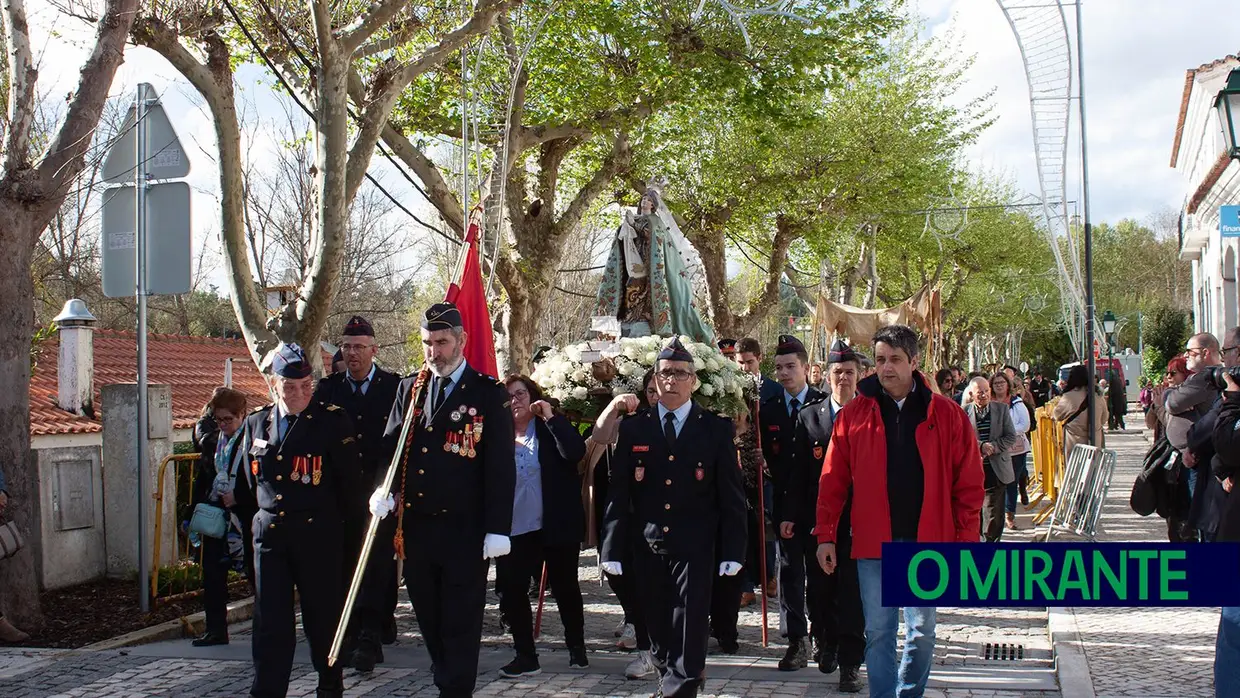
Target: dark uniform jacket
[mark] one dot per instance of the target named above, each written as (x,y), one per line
(322,448)
(777,429)
(810,441)
(370,414)
(680,501)
(475,491)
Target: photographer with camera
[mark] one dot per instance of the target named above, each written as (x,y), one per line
(1226,473)
(1207,497)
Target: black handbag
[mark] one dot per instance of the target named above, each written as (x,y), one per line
(1160,459)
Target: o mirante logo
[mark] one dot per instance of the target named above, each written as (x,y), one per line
(1061,574)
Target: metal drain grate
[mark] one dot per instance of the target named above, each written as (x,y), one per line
(1004,651)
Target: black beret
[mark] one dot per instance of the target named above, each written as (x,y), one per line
(442,316)
(726,345)
(675,351)
(841,352)
(358,326)
(290,362)
(338,356)
(789,345)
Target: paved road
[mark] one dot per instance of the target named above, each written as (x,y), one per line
(177,669)
(1150,652)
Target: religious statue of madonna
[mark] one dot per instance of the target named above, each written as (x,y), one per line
(647,283)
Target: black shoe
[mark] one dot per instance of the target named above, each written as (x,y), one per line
(210,640)
(366,656)
(577,657)
(850,679)
(797,656)
(389,631)
(729,646)
(330,686)
(827,660)
(521,666)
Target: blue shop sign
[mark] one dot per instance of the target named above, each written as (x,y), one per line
(1229,221)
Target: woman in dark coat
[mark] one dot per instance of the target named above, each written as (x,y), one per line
(548,526)
(217,437)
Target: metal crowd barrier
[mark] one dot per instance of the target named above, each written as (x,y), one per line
(188,562)
(1082,492)
(1048,463)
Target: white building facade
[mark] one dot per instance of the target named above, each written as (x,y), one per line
(1212,182)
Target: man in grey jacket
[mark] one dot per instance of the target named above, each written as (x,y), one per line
(992,422)
(1192,399)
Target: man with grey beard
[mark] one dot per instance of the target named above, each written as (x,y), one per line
(455,489)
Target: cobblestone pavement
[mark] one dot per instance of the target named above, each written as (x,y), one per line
(176,669)
(1151,652)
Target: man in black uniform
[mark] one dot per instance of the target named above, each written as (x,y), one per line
(675,490)
(303,475)
(367,392)
(834,599)
(456,490)
(778,419)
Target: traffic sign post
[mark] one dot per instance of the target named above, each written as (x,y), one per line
(145,222)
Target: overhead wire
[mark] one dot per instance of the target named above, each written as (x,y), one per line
(293,94)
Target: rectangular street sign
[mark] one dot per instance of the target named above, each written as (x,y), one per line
(1229,221)
(166,158)
(168,240)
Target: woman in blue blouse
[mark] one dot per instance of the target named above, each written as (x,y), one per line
(548,525)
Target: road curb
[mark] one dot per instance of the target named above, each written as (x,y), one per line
(1071,664)
(175,629)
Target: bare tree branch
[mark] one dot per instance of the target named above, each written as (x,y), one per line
(353,36)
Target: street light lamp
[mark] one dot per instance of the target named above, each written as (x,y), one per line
(1228,106)
(1108,322)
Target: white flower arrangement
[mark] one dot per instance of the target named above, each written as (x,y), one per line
(583,389)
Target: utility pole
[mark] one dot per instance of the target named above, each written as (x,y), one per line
(1089,243)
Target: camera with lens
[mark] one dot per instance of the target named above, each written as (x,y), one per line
(1215,376)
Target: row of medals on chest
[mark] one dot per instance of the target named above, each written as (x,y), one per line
(463,443)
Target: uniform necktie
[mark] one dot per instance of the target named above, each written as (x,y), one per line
(669,428)
(358,386)
(289,421)
(442,390)
(795,404)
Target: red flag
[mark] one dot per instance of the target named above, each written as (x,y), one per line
(469,296)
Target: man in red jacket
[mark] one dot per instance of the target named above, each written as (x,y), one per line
(910,458)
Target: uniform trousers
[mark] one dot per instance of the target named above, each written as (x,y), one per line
(838,623)
(725,605)
(302,552)
(377,598)
(676,597)
(446,576)
(513,573)
(624,586)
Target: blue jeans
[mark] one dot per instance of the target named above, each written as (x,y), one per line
(1227,654)
(1013,490)
(882,624)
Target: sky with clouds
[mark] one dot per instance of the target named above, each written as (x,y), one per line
(1136,55)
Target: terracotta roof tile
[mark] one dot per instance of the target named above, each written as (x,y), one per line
(193,366)
(1189,77)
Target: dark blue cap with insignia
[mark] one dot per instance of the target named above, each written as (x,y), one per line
(789,345)
(358,326)
(675,351)
(441,316)
(290,362)
(841,352)
(727,345)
